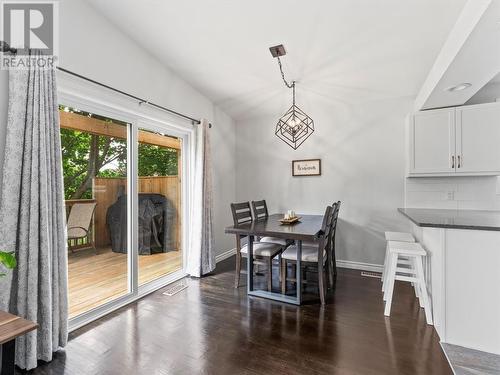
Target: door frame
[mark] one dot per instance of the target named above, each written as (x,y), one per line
(83,95)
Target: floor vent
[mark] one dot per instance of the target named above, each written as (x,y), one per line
(175,288)
(375,275)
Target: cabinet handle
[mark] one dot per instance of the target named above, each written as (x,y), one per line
(459,164)
(452,161)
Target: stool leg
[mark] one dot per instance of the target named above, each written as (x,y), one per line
(391,278)
(384,270)
(416,285)
(385,286)
(423,290)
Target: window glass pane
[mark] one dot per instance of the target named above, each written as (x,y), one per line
(159,205)
(94,154)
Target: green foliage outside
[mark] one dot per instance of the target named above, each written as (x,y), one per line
(86,156)
(8,261)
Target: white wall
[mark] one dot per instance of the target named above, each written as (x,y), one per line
(362,149)
(91,46)
(467,193)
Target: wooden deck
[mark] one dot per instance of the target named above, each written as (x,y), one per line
(96,279)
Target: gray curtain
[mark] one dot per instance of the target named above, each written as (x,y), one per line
(207,240)
(201,257)
(32,218)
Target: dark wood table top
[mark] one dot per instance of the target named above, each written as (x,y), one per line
(12,326)
(307,229)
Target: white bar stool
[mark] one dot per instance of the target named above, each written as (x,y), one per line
(394,236)
(399,236)
(413,274)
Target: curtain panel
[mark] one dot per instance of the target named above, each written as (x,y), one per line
(32,216)
(201,256)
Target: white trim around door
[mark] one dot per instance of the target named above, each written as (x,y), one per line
(87,97)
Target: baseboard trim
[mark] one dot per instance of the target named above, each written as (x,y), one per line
(340,263)
(225,255)
(359,266)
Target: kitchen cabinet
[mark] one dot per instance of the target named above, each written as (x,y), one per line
(457,141)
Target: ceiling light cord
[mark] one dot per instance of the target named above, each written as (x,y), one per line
(289,85)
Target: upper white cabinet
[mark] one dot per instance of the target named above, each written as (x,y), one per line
(455,141)
(433,141)
(478,138)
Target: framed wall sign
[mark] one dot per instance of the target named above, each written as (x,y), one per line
(311,167)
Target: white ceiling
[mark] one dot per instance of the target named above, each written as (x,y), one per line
(343,51)
(471,55)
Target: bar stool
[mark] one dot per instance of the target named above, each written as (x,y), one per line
(415,254)
(394,236)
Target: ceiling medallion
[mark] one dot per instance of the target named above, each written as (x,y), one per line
(295,126)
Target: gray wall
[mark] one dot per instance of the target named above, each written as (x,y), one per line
(362,149)
(91,46)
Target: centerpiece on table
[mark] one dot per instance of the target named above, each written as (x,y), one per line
(290,218)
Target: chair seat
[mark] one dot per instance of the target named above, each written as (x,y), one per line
(275,240)
(309,253)
(262,249)
(408,248)
(75,233)
(399,236)
(310,243)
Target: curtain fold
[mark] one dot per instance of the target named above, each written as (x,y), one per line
(201,257)
(32,215)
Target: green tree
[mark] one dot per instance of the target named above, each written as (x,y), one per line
(157,161)
(86,156)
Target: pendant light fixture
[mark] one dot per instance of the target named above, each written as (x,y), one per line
(295,126)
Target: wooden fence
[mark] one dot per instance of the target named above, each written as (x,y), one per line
(106,192)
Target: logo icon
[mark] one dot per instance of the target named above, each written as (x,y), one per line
(29,25)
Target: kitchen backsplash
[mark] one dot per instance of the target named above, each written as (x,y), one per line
(479,193)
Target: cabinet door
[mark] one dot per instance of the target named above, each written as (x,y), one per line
(478,138)
(432,142)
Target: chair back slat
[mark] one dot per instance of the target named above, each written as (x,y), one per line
(326,229)
(241,212)
(260,210)
(331,241)
(335,220)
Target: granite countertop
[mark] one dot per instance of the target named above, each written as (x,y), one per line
(454,219)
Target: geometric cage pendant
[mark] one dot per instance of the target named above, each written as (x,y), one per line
(294,127)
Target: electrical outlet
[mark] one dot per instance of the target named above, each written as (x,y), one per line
(450,196)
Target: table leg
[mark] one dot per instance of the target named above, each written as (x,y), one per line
(250,264)
(298,276)
(8,357)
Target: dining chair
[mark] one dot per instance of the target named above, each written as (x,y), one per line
(332,254)
(263,252)
(260,212)
(79,223)
(315,256)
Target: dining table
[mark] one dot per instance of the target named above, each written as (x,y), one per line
(11,327)
(307,228)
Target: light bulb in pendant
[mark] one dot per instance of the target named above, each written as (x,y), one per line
(293,122)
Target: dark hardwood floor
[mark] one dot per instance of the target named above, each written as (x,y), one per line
(212,328)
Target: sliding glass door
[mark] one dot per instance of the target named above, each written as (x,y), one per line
(124,189)
(95,164)
(159,212)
